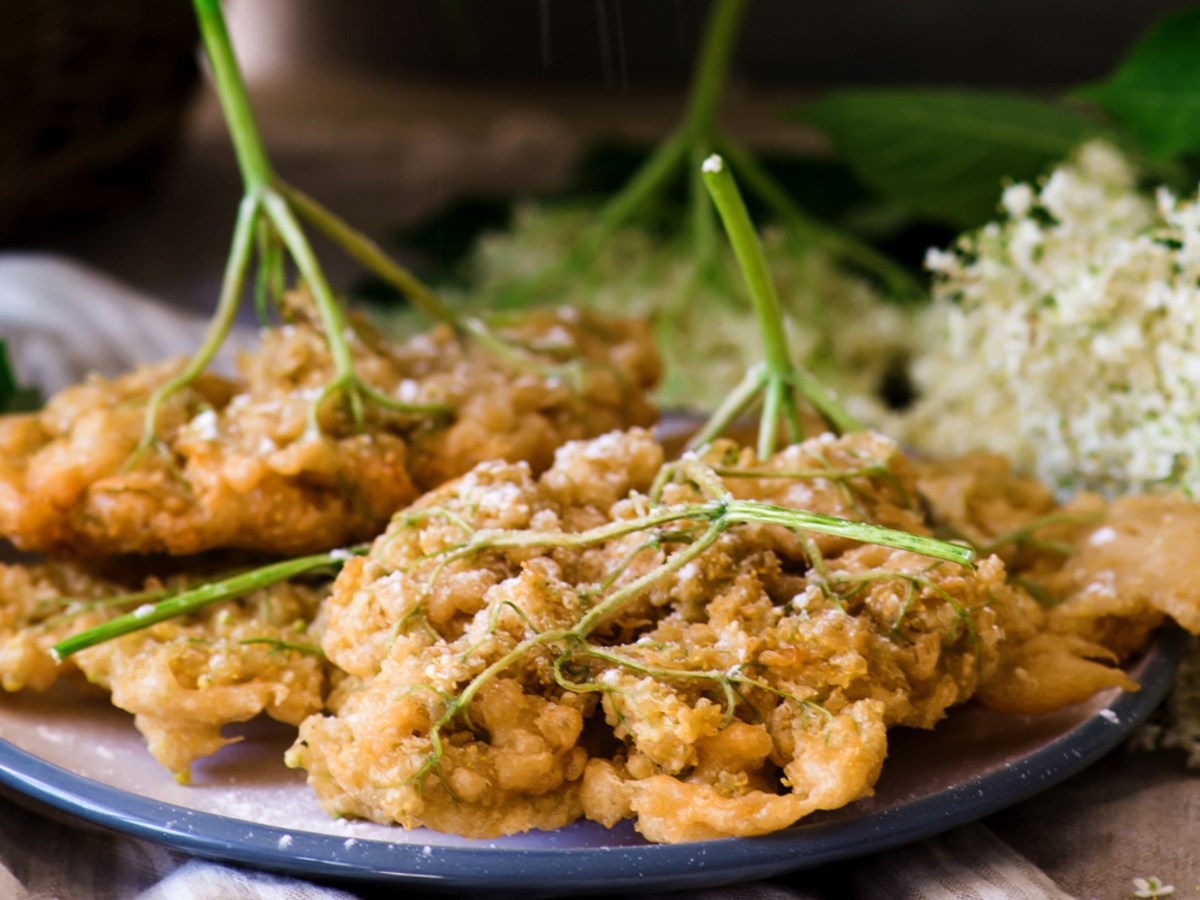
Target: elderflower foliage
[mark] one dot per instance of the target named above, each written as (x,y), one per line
(837,325)
(1066,334)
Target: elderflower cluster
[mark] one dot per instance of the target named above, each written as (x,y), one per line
(1067,334)
(837,324)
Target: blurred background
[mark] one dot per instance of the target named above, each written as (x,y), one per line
(113,150)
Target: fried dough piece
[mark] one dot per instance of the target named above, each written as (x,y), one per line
(1106,574)
(980,496)
(41,605)
(834,764)
(239,464)
(1129,571)
(737,693)
(1049,671)
(182,679)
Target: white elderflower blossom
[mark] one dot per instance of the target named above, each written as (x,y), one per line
(1151,888)
(1067,335)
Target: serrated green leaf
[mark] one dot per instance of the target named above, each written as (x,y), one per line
(944,154)
(1155,91)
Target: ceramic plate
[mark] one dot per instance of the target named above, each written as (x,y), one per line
(84,758)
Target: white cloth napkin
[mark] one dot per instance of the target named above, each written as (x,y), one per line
(61,320)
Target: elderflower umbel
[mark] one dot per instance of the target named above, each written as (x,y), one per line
(1066,335)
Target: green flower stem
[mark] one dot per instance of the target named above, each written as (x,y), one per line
(696,137)
(783,374)
(704,96)
(830,474)
(222,321)
(278,646)
(596,617)
(333,318)
(753,511)
(261,199)
(82,607)
(651,177)
(506,352)
(370,255)
(199,597)
(722,511)
(491,539)
(616,601)
(726,679)
(708,78)
(721,514)
(759,181)
(693,137)
(736,402)
(231,89)
(267,216)
(752,261)
(468,693)
(1026,532)
(692,468)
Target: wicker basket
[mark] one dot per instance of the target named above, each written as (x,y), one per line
(92,93)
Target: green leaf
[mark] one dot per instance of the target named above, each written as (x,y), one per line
(1155,92)
(14,397)
(8,381)
(943,155)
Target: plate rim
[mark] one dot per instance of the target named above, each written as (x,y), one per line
(490,869)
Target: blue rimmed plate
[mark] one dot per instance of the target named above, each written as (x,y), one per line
(83,758)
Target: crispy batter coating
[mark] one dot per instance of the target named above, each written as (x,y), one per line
(737,692)
(240,465)
(1105,576)
(1129,570)
(39,606)
(182,679)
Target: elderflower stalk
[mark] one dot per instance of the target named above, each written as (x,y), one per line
(197,598)
(718,514)
(218,327)
(693,139)
(262,201)
(268,225)
(780,376)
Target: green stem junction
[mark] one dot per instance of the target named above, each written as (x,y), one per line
(780,377)
(268,227)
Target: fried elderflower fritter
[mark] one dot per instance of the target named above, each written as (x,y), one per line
(745,679)
(182,679)
(246,464)
(1106,574)
(40,605)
